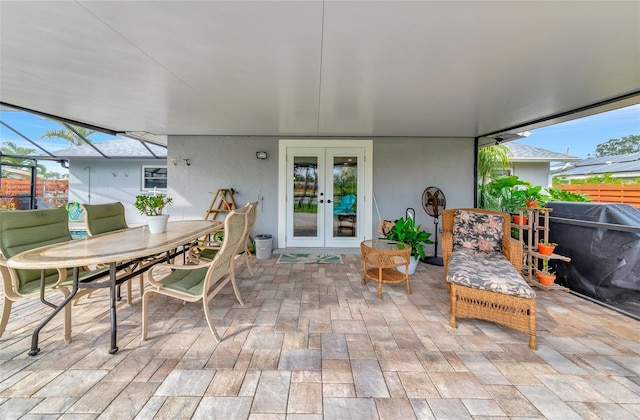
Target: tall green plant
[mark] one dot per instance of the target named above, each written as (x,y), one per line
(407,232)
(69,135)
(492,159)
(558,194)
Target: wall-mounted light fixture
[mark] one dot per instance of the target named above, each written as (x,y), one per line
(174,161)
(187,161)
(261,155)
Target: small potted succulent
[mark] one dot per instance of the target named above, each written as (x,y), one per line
(546,276)
(546,248)
(152,206)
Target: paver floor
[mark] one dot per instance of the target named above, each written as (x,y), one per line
(312,342)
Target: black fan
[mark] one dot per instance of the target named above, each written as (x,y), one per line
(433,202)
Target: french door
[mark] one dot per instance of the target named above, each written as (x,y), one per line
(325,196)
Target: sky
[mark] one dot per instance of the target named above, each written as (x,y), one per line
(582,136)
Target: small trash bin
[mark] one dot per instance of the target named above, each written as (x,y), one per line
(263,247)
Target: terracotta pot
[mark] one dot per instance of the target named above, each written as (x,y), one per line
(545,279)
(546,249)
(516,220)
(532,204)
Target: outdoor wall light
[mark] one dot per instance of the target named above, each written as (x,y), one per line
(261,155)
(187,161)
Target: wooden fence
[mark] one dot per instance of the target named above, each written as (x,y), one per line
(50,191)
(608,193)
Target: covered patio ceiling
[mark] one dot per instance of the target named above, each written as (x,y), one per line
(319,68)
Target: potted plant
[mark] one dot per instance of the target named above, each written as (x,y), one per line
(521,221)
(407,232)
(226,205)
(546,276)
(546,248)
(530,196)
(152,206)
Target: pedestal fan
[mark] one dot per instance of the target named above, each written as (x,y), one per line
(433,203)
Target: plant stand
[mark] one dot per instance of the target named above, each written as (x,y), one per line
(537,229)
(222,203)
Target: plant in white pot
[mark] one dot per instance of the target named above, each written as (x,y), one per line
(407,232)
(152,206)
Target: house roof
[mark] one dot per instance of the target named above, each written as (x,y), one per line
(628,164)
(525,153)
(120,147)
(447,69)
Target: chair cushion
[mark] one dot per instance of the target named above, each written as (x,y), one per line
(102,218)
(186,281)
(487,271)
(477,231)
(27,229)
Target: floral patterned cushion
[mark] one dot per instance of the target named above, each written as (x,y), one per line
(477,231)
(487,271)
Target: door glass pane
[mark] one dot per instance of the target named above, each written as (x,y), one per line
(305,196)
(345,190)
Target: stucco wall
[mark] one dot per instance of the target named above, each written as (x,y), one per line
(223,162)
(111,180)
(535,172)
(402,169)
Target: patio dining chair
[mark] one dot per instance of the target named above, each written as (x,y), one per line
(25,230)
(193,283)
(207,250)
(104,218)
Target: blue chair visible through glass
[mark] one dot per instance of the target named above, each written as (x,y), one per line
(346,205)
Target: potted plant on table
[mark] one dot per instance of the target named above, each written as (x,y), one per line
(152,206)
(407,232)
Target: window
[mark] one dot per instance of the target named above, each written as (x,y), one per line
(504,172)
(154,177)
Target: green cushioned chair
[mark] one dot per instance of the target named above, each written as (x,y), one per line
(208,250)
(105,218)
(24,230)
(201,282)
(102,218)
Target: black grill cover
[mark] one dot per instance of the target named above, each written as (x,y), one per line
(605,263)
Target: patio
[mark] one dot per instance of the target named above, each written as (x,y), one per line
(313,342)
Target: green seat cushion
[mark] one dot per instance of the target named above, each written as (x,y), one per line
(186,281)
(208,254)
(32,286)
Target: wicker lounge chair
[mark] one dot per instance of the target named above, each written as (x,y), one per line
(482,266)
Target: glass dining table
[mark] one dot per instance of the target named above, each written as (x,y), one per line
(132,244)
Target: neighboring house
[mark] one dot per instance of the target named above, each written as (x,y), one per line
(625,167)
(533,163)
(129,169)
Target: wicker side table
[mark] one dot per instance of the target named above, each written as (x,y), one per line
(380,257)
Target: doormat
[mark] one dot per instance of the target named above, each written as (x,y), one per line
(310,259)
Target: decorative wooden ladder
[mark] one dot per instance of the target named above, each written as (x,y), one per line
(223,202)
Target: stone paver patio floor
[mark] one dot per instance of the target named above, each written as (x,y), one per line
(312,342)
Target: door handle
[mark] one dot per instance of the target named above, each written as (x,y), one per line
(321,201)
(329,201)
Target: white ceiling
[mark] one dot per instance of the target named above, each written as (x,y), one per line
(316,68)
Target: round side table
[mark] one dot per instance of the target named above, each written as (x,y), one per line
(380,257)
